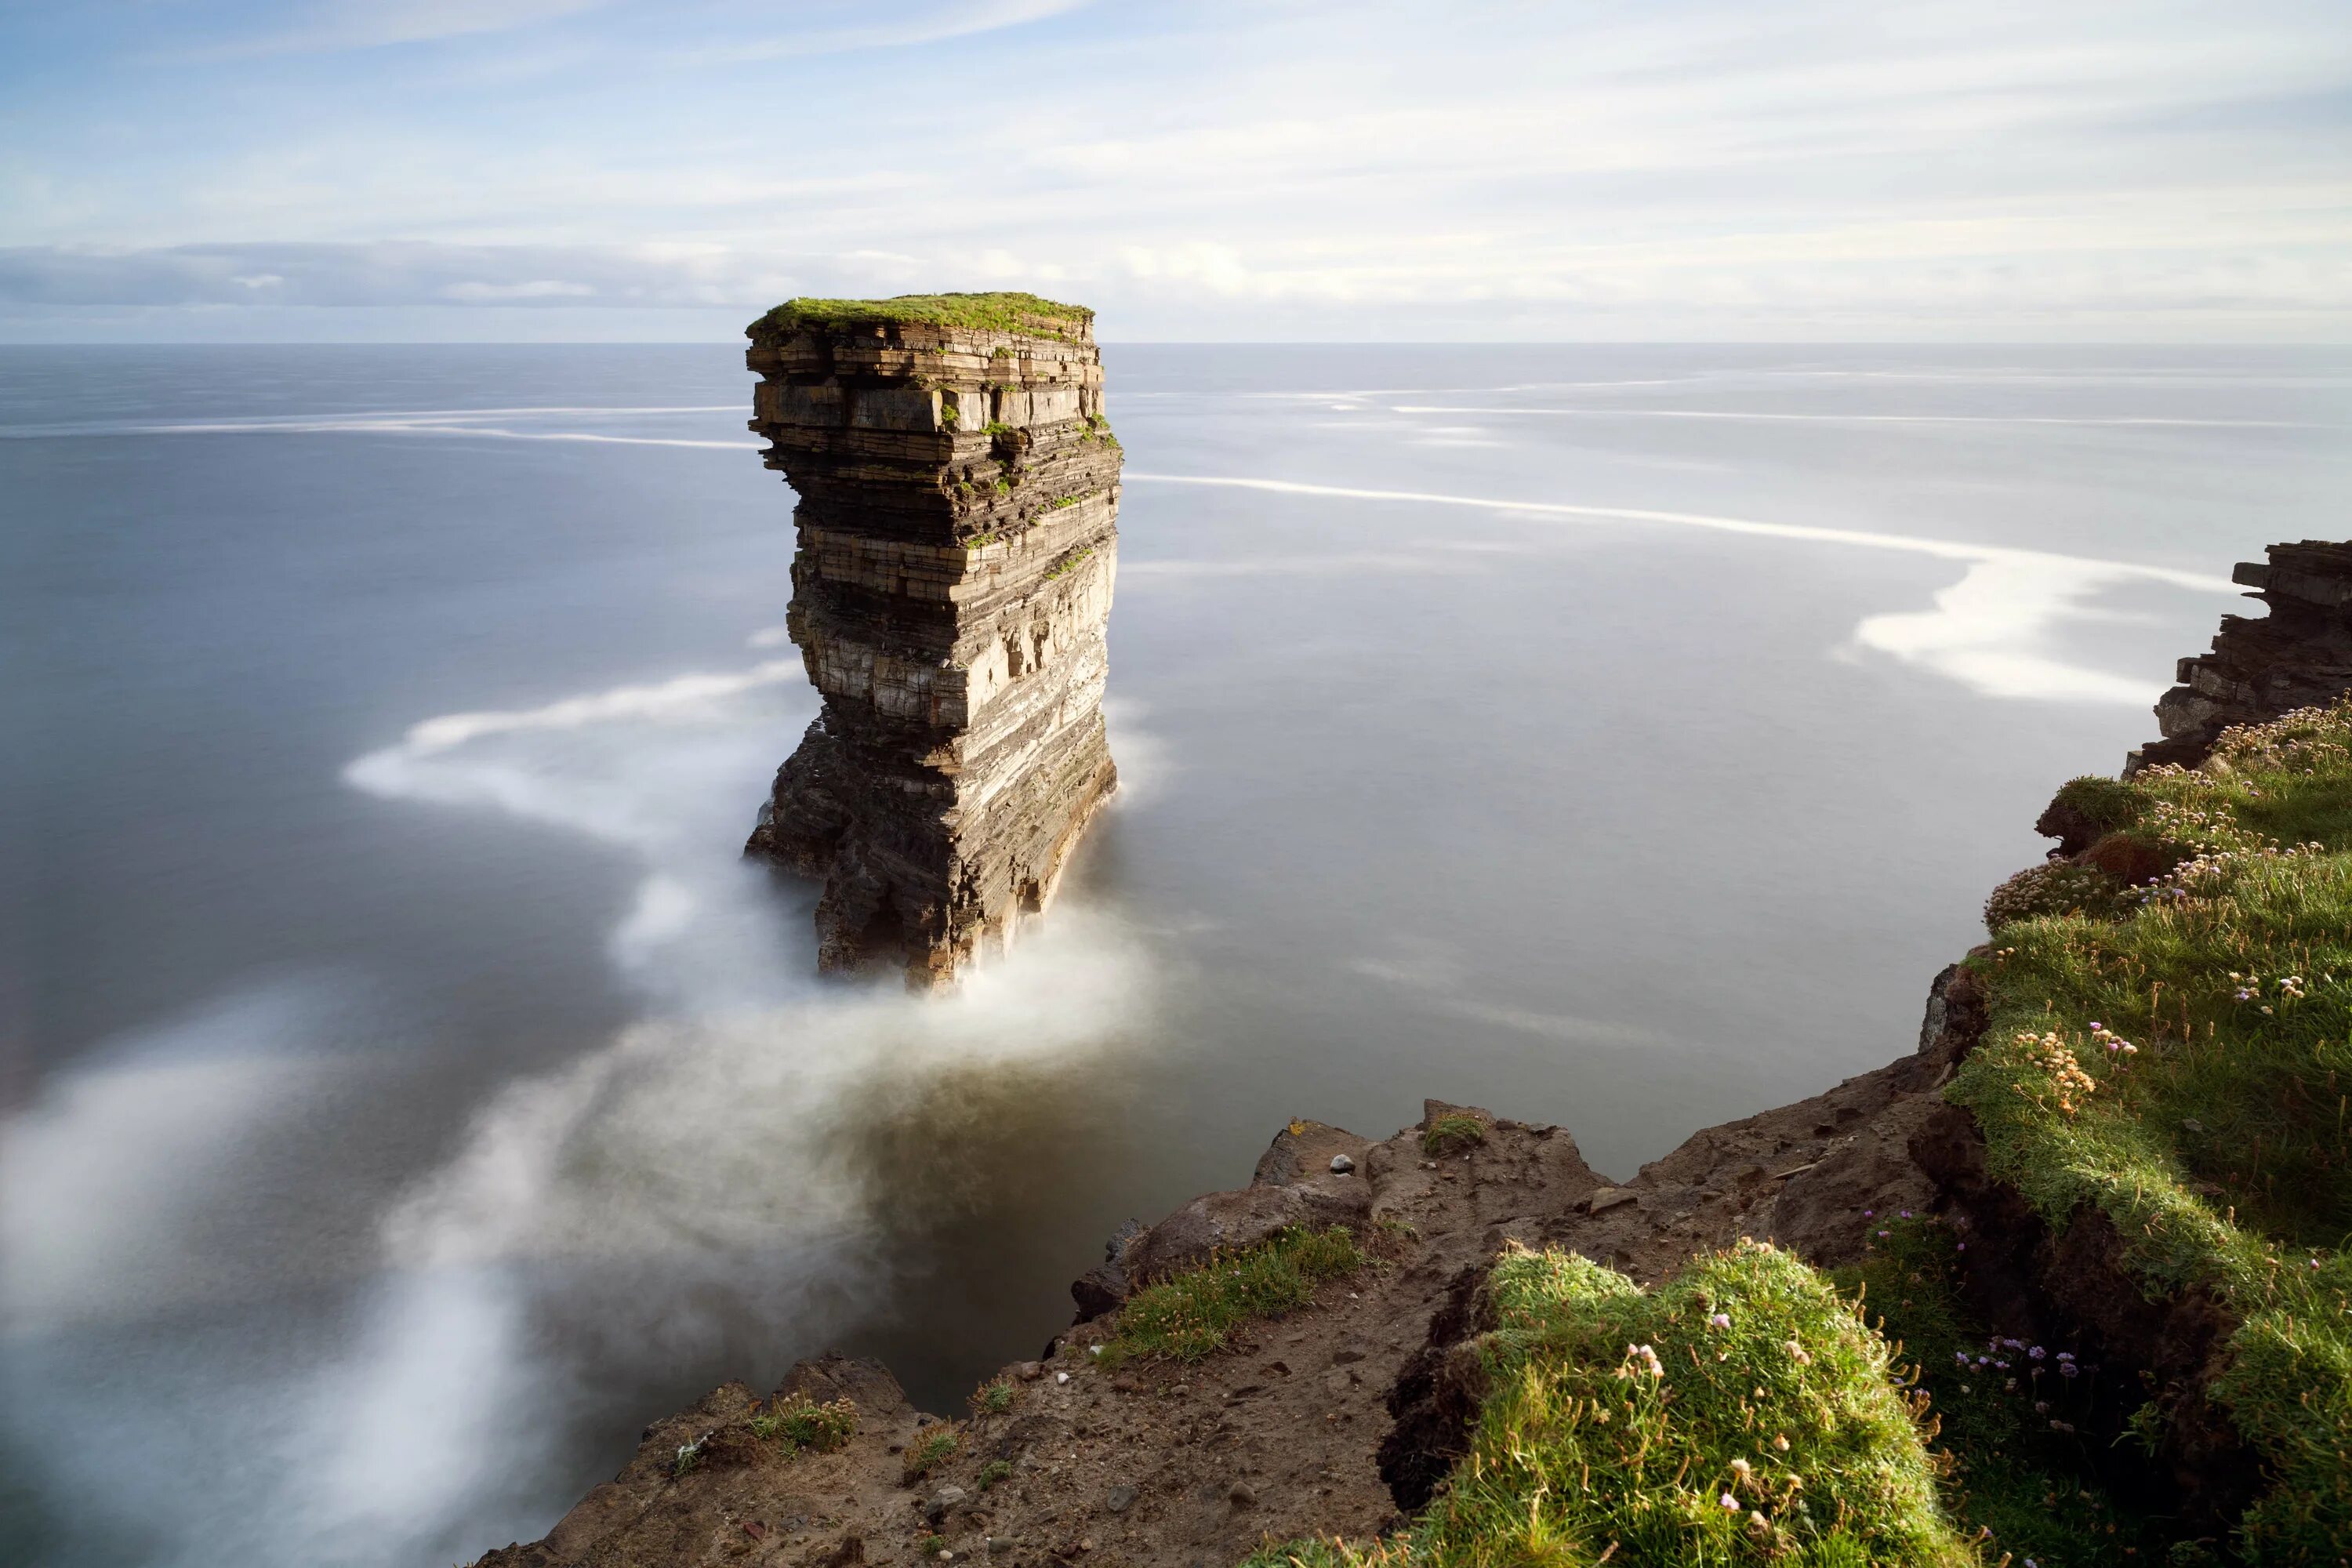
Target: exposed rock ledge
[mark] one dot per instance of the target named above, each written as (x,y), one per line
(2299,655)
(1317,1423)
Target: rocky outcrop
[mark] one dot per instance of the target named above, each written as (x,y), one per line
(959,495)
(2299,655)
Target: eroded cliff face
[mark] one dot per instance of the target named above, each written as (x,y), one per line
(2299,655)
(958,523)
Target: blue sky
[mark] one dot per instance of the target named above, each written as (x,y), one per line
(1678,169)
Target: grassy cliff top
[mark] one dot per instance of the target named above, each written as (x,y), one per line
(1027,314)
(1741,1414)
(2177,1053)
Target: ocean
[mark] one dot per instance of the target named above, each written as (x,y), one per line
(407,1092)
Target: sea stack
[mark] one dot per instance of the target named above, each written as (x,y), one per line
(2299,655)
(959,498)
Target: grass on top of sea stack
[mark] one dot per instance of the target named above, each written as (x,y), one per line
(2183,1063)
(1027,314)
(1740,1413)
(1195,1313)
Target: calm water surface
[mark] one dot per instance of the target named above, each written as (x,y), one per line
(405,1093)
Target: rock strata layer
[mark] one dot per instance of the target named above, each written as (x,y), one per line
(2299,655)
(958,498)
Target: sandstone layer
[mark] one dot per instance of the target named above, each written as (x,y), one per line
(957,533)
(2299,655)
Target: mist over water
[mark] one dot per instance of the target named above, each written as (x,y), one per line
(407,1092)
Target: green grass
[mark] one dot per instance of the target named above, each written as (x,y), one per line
(1617,1422)
(801,1422)
(1196,1313)
(994,312)
(2185,1065)
(1451,1135)
(933,1450)
(2009,1419)
(992,1398)
(1070,563)
(994,1471)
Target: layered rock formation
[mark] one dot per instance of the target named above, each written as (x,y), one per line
(2299,655)
(959,496)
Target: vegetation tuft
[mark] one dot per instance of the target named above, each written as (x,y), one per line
(2183,1064)
(801,1423)
(932,1450)
(2059,887)
(1194,1314)
(1741,1414)
(992,1398)
(1451,1135)
(2110,803)
(1026,314)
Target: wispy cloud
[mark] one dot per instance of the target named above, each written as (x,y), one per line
(1313,169)
(840,30)
(337,25)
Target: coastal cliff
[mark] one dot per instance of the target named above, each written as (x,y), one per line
(959,541)
(2064,1278)
(2298,656)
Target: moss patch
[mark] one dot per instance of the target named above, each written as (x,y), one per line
(993,312)
(1197,1312)
(2186,1067)
(1451,1135)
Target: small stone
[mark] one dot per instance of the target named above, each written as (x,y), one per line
(1118,1499)
(1341,1164)
(1060,1377)
(1607,1198)
(1028,1371)
(1241,1494)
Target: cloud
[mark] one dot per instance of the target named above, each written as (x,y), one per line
(474,291)
(1309,169)
(853,28)
(390,273)
(340,25)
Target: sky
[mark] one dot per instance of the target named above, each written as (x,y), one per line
(1264,170)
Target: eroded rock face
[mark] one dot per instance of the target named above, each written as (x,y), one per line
(2299,655)
(959,496)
